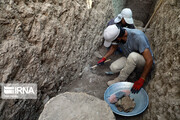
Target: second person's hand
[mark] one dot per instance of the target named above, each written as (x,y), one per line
(101,62)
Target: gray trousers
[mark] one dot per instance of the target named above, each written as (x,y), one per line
(127,65)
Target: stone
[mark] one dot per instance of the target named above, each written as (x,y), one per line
(125,104)
(98,55)
(76,106)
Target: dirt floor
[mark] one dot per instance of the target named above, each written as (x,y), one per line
(94,81)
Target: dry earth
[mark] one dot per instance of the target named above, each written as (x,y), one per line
(52,43)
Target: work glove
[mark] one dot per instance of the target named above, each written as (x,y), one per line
(137,85)
(101,62)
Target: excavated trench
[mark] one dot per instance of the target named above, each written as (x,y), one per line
(54,43)
(93,81)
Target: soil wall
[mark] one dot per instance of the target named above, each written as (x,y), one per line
(47,42)
(164,88)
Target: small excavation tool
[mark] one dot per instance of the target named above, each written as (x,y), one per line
(93,67)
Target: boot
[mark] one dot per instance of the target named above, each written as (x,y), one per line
(114,81)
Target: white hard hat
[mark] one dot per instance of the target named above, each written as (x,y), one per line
(118,19)
(110,34)
(127,15)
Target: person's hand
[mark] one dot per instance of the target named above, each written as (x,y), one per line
(101,62)
(137,85)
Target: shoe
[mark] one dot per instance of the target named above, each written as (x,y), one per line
(109,73)
(113,81)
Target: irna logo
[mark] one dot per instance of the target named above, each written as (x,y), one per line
(19,91)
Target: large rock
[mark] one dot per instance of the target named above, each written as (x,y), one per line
(76,106)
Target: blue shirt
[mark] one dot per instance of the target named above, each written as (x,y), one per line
(136,42)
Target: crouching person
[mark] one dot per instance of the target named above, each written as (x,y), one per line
(136,50)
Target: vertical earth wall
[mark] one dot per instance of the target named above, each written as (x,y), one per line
(164,88)
(47,42)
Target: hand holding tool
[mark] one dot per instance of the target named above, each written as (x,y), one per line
(99,64)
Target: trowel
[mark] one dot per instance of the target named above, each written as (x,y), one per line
(93,67)
(98,55)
